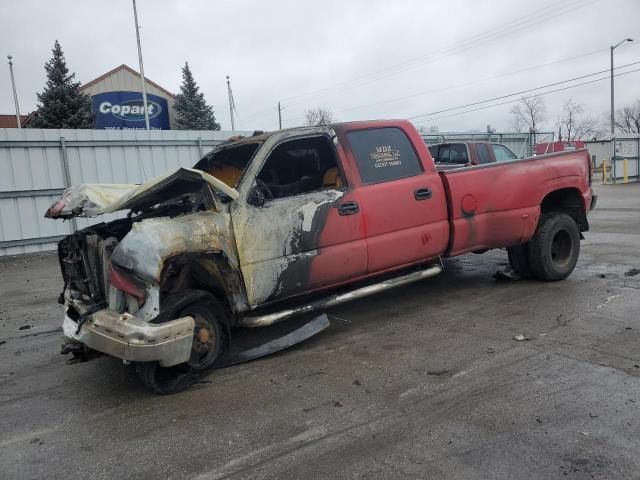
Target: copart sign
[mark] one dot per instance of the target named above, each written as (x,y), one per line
(125,111)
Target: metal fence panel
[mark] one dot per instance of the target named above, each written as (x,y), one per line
(36,165)
(599,151)
(625,164)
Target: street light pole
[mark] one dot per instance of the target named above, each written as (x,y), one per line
(15,94)
(613,120)
(142,79)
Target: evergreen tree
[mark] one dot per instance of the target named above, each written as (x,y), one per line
(192,111)
(61,104)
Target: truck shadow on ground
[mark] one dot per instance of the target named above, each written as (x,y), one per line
(470,276)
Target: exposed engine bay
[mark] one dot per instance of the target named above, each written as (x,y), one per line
(85,259)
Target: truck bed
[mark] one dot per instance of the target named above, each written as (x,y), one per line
(498,204)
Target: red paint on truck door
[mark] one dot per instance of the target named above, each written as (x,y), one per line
(400,196)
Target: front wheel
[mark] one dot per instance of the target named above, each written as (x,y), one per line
(208,346)
(555,247)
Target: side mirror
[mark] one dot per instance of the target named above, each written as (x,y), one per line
(256,198)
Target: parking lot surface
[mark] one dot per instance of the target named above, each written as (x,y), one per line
(425,381)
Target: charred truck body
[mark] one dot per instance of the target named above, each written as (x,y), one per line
(270,226)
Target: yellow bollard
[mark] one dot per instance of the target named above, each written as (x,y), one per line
(625,170)
(604,171)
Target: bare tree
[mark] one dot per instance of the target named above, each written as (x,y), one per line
(628,119)
(576,125)
(528,114)
(318,116)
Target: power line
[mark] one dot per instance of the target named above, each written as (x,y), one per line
(526,97)
(438,53)
(473,82)
(500,97)
(544,14)
(520,92)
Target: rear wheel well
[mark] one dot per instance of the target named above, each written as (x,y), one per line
(569,201)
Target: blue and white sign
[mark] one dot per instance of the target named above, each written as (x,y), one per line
(125,111)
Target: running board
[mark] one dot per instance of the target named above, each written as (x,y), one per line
(337,299)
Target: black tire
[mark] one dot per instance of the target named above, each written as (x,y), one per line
(165,381)
(555,247)
(209,344)
(519,260)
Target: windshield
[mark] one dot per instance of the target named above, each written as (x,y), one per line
(228,163)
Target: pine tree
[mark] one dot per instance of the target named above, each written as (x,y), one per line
(61,104)
(192,111)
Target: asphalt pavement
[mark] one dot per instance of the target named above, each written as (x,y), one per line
(425,381)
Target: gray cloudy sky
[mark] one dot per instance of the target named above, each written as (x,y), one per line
(360,58)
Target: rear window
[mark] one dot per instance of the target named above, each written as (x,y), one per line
(502,153)
(483,153)
(452,153)
(384,154)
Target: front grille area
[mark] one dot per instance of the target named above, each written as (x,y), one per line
(84,257)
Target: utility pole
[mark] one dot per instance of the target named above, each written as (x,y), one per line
(231,106)
(279,116)
(613,120)
(142,79)
(15,94)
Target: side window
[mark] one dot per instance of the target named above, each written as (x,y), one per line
(384,154)
(483,153)
(451,153)
(445,154)
(300,166)
(502,153)
(458,153)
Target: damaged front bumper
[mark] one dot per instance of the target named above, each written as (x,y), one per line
(127,337)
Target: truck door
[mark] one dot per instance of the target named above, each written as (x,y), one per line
(400,195)
(305,231)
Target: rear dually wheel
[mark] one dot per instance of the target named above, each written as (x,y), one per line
(555,247)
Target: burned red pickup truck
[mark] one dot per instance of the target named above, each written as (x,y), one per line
(278,224)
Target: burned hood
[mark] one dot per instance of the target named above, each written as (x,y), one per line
(152,241)
(89,200)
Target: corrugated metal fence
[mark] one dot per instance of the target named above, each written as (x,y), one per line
(37,165)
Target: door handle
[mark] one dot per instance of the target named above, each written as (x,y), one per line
(348,208)
(422,193)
